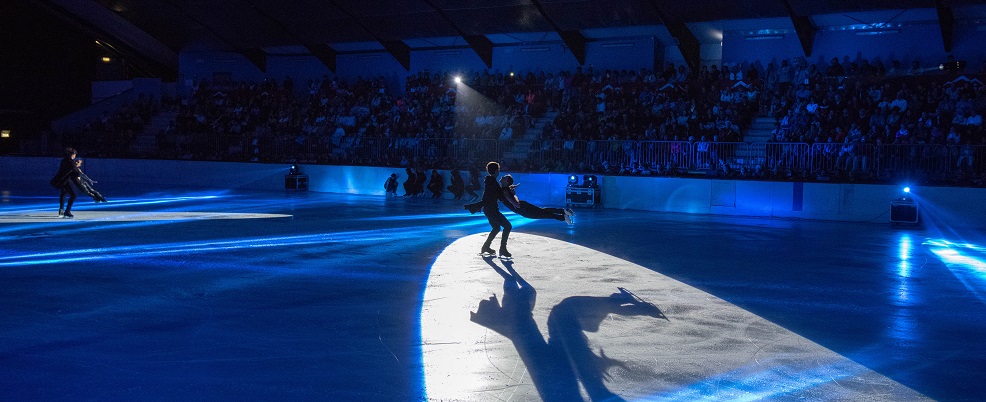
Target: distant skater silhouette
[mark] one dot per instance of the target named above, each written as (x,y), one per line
(437,184)
(458,186)
(473,184)
(409,183)
(390,186)
(420,177)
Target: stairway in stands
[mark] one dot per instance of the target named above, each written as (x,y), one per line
(522,145)
(760,131)
(146,142)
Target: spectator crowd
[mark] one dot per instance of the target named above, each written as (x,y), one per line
(586,120)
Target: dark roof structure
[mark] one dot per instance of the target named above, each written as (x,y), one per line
(158,29)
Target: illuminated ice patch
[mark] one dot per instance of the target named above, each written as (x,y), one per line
(563,322)
(966,261)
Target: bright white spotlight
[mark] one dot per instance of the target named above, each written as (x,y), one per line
(907,190)
(458,79)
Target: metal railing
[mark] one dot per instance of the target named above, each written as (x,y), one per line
(804,158)
(819,159)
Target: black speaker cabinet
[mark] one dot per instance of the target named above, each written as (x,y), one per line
(582,196)
(296,182)
(903,211)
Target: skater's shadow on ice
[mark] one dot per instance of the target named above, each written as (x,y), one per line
(557,364)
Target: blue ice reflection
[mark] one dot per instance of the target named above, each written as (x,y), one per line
(771,382)
(966,261)
(903,320)
(226,245)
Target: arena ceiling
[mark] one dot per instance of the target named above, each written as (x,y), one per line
(265,23)
(245,25)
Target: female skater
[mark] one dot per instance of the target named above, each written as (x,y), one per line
(528,210)
(85,183)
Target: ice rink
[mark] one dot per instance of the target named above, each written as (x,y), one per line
(206,294)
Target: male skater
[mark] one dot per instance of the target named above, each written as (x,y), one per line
(492,195)
(63,182)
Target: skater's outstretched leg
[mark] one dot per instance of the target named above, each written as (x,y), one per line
(97,196)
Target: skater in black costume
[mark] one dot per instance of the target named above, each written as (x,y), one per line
(63,182)
(473,184)
(409,183)
(528,210)
(85,183)
(437,184)
(492,195)
(390,186)
(420,177)
(458,186)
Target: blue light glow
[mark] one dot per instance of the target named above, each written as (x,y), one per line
(903,323)
(163,249)
(966,261)
(907,189)
(905,254)
(771,382)
(424,217)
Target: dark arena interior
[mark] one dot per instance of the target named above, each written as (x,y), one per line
(292,200)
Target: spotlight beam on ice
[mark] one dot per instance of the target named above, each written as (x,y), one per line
(512,333)
(48,206)
(163,249)
(966,261)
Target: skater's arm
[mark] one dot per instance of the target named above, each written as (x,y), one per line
(86,178)
(510,197)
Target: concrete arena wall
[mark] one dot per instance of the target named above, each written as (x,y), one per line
(945,206)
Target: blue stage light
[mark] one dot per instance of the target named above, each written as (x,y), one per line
(573,181)
(589,181)
(907,190)
(294,169)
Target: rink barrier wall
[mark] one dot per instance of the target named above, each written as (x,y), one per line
(944,206)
